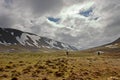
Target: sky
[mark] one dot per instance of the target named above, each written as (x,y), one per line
(81,23)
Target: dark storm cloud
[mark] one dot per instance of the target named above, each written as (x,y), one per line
(113,27)
(6,20)
(44,6)
(72,2)
(9,2)
(40,7)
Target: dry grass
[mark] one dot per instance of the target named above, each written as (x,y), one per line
(56,65)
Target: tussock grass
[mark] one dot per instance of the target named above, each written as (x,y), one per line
(56,65)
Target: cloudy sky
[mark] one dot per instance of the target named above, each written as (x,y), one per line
(81,23)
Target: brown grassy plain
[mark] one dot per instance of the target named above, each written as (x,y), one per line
(57,66)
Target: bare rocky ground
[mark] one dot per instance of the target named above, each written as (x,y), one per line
(58,66)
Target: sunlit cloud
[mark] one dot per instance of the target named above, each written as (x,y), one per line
(82,23)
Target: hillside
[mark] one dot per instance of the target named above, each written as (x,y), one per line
(113,47)
(12,38)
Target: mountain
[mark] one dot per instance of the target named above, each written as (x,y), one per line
(116,41)
(12,37)
(113,47)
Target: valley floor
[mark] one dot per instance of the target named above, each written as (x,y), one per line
(58,66)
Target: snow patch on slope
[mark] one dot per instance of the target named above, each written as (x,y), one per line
(12,33)
(52,42)
(24,37)
(65,46)
(112,46)
(34,39)
(4,43)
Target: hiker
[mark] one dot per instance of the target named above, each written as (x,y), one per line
(98,52)
(67,53)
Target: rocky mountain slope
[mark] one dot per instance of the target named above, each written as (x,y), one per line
(113,47)
(13,37)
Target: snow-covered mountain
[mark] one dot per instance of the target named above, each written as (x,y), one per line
(14,37)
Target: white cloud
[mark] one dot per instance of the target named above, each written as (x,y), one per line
(102,26)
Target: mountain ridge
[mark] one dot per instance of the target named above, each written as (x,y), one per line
(14,37)
(112,47)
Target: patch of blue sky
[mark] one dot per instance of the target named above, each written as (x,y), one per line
(56,20)
(86,13)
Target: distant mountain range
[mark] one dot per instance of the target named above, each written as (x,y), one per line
(113,47)
(16,38)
